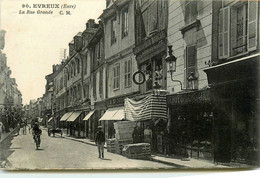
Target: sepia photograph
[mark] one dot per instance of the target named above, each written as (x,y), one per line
(132,85)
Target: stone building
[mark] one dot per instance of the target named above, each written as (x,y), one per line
(119,35)
(214,115)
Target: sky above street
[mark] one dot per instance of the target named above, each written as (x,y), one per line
(33,40)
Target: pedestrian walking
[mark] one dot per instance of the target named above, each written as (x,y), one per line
(1,129)
(100,142)
(18,128)
(24,126)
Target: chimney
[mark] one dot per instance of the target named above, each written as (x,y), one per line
(107,2)
(90,23)
(78,42)
(71,48)
(53,68)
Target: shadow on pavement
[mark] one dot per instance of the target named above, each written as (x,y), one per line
(40,149)
(16,148)
(105,159)
(5,152)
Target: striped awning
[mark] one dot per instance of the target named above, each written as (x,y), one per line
(151,107)
(66,116)
(74,116)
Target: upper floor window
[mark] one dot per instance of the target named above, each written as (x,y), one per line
(101,83)
(78,65)
(116,77)
(150,18)
(125,22)
(241,19)
(61,83)
(85,64)
(191,11)
(113,30)
(190,68)
(128,68)
(94,86)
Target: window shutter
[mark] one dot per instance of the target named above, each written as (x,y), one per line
(185,67)
(252,25)
(153,16)
(224,28)
(190,62)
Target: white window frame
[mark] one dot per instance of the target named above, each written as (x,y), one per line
(128,69)
(116,77)
(125,22)
(223,32)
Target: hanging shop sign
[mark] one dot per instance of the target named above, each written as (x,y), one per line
(189,97)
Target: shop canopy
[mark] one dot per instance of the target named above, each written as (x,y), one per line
(66,116)
(151,107)
(74,116)
(50,119)
(113,114)
(88,115)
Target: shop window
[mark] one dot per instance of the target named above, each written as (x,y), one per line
(128,68)
(191,11)
(116,77)
(237,28)
(113,31)
(125,22)
(190,68)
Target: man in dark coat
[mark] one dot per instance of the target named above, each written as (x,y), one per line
(138,133)
(100,142)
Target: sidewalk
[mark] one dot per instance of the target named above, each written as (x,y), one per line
(191,164)
(6,135)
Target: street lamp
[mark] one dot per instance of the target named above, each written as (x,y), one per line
(170,60)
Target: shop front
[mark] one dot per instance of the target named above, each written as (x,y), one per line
(235,86)
(150,115)
(63,122)
(191,124)
(74,123)
(86,121)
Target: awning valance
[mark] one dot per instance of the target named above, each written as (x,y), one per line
(88,115)
(74,116)
(66,116)
(113,114)
(151,107)
(50,119)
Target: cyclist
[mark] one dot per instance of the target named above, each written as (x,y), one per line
(36,131)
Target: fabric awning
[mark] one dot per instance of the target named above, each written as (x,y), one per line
(113,114)
(151,107)
(74,116)
(50,119)
(88,115)
(66,116)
